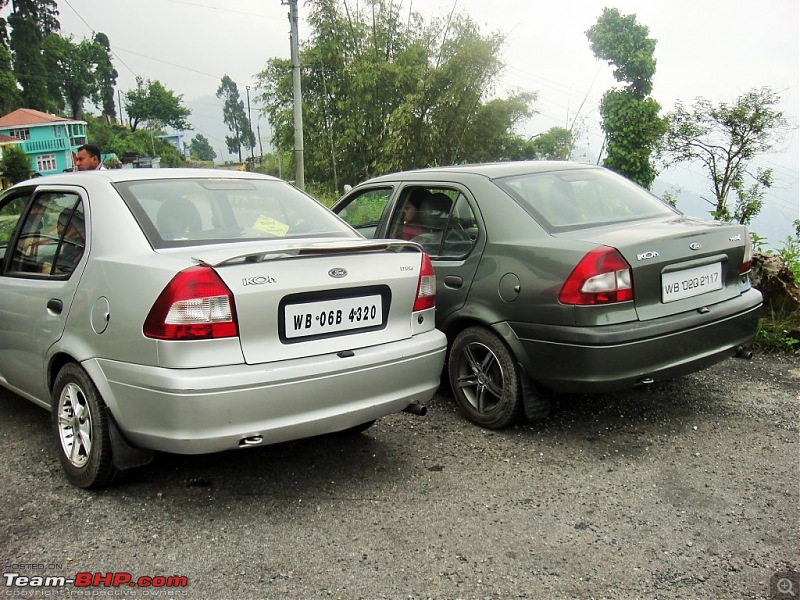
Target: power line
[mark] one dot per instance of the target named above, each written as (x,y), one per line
(92,29)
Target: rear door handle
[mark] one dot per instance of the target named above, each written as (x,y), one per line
(55,305)
(453,281)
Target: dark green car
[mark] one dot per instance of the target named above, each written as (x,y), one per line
(557,277)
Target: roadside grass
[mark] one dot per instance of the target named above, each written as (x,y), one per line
(780,332)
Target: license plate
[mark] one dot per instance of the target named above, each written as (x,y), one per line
(691,282)
(332,316)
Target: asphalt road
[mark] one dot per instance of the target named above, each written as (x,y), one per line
(687,489)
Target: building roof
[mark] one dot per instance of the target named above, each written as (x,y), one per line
(27,116)
(7,139)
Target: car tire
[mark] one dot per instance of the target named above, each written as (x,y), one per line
(80,424)
(484,378)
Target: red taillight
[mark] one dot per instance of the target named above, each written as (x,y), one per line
(602,277)
(195,305)
(426,286)
(748,253)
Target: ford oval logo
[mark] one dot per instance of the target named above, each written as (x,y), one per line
(695,246)
(338,273)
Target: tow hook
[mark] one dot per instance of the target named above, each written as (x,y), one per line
(415,408)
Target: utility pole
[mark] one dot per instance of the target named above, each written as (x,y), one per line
(299,179)
(250,121)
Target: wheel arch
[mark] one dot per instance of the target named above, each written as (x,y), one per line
(57,362)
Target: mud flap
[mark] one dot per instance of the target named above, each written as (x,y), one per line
(536,403)
(124,455)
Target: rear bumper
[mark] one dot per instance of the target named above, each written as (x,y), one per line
(196,411)
(614,357)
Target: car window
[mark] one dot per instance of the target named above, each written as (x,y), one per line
(52,239)
(187,212)
(461,234)
(582,198)
(439,219)
(364,211)
(11,210)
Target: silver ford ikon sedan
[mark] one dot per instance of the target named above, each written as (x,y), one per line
(193,311)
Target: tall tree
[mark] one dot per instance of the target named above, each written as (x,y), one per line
(235,117)
(73,70)
(106,79)
(201,149)
(26,45)
(9,92)
(155,105)
(385,91)
(630,116)
(725,139)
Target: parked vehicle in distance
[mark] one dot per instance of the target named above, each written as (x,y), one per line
(563,277)
(194,311)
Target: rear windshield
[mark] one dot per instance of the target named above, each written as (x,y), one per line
(582,198)
(188,212)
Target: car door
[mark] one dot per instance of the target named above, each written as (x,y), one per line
(43,255)
(446,225)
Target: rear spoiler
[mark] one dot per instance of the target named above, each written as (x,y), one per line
(330,249)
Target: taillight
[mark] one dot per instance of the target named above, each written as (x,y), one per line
(603,276)
(748,253)
(195,305)
(426,285)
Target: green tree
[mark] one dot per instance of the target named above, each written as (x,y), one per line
(557,143)
(725,139)
(631,123)
(15,164)
(386,91)
(118,139)
(201,149)
(74,71)
(29,67)
(9,91)
(234,116)
(155,105)
(106,75)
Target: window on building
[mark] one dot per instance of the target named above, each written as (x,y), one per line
(46,162)
(20,134)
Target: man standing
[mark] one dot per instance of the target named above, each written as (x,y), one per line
(88,158)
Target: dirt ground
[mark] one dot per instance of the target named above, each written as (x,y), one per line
(687,489)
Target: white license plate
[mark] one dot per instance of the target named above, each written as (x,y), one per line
(332,316)
(691,282)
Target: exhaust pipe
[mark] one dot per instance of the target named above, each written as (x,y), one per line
(253,440)
(744,353)
(416,409)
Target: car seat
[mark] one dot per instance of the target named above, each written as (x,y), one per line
(434,210)
(178,217)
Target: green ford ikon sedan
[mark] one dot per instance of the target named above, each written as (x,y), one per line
(557,277)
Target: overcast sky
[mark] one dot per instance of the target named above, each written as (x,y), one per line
(716,49)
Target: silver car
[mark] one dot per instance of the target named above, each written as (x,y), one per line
(194,311)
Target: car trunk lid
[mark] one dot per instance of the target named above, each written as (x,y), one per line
(677,264)
(299,298)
